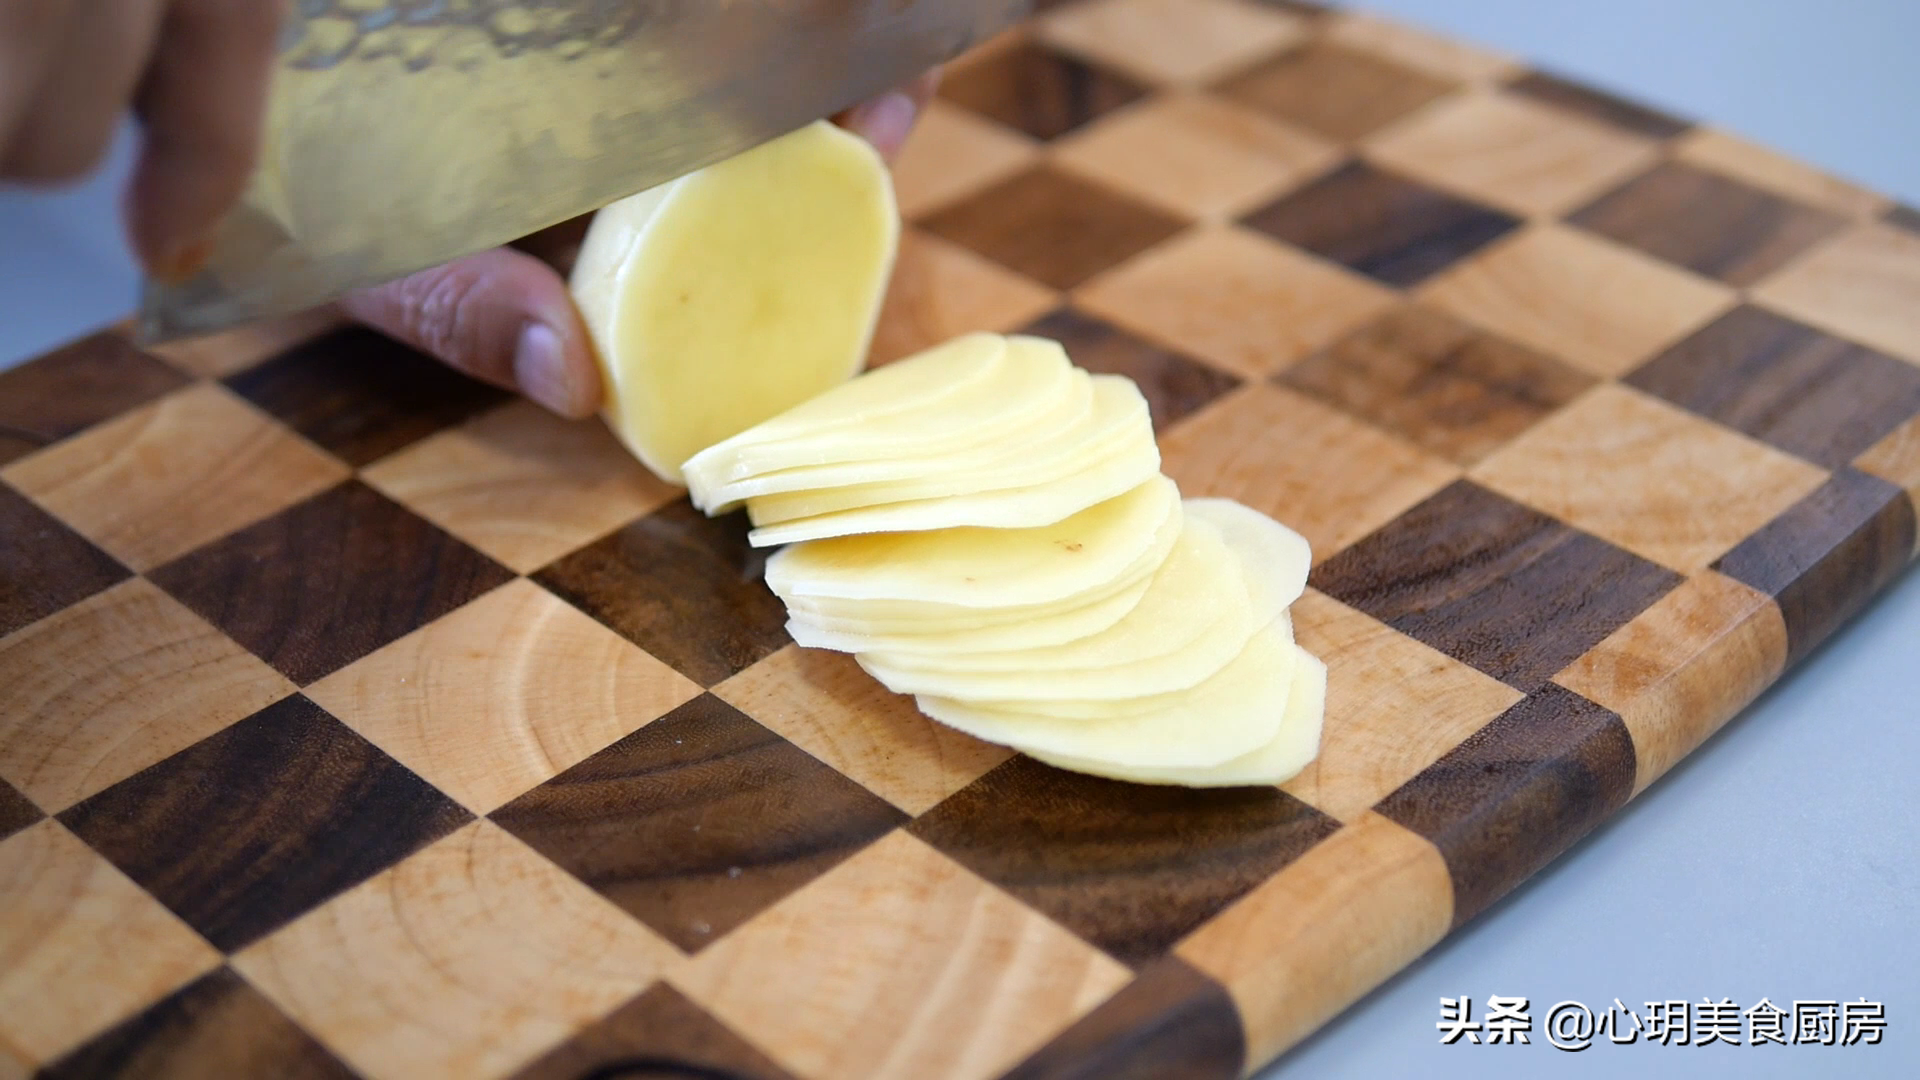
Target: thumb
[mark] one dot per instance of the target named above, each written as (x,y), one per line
(501,316)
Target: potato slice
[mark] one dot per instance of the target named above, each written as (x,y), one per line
(1193,620)
(1095,481)
(986,567)
(1031,632)
(1235,711)
(730,295)
(1292,748)
(1025,387)
(1112,414)
(1283,555)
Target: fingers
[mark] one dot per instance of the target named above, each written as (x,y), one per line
(96,63)
(202,104)
(501,316)
(887,120)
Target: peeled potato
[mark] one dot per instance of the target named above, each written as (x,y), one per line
(1234,712)
(1030,632)
(1283,555)
(1115,415)
(737,292)
(1294,745)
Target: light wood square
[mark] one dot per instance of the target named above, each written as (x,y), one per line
(1171,41)
(1730,155)
(174,474)
(1335,923)
(1244,303)
(464,961)
(933,972)
(1512,153)
(954,152)
(1196,155)
(1896,459)
(1309,465)
(822,702)
(224,352)
(1656,480)
(1417,47)
(940,290)
(1683,667)
(1394,706)
(1597,305)
(81,946)
(521,484)
(93,694)
(502,695)
(1864,285)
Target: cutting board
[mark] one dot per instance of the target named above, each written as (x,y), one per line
(358,719)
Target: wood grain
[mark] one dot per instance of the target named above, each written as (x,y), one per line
(1860,286)
(1381,224)
(933,972)
(247,829)
(698,821)
(952,153)
(1438,382)
(1421,50)
(660,1032)
(1131,868)
(44,565)
(113,684)
(1171,41)
(225,352)
(1491,583)
(1683,668)
(81,947)
(1052,226)
(1173,385)
(389,976)
(1896,459)
(1518,792)
(1730,155)
(823,703)
(1317,936)
(681,585)
(501,695)
(329,580)
(1172,1022)
(1597,105)
(1038,90)
(16,811)
(215,1026)
(940,290)
(74,387)
(1339,93)
(184,470)
(1708,223)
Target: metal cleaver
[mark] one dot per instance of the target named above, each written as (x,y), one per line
(404,133)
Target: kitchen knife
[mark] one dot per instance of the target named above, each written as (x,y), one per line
(401,134)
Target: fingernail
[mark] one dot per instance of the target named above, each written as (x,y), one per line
(183,261)
(540,367)
(887,122)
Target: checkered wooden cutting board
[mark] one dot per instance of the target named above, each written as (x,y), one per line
(359,720)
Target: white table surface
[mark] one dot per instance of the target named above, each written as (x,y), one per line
(1780,859)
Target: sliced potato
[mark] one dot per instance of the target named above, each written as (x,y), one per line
(1292,748)
(723,298)
(1114,415)
(1283,555)
(1234,712)
(1030,632)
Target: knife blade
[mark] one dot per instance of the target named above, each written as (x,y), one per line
(406,133)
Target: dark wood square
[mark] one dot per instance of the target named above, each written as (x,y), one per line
(215,1026)
(1708,223)
(362,395)
(1173,385)
(16,811)
(1132,868)
(698,821)
(45,566)
(1039,91)
(1494,584)
(1828,555)
(249,828)
(75,387)
(1598,105)
(1438,382)
(327,581)
(1055,228)
(685,587)
(1172,1022)
(1338,92)
(1903,217)
(1518,792)
(661,1033)
(1802,390)
(1381,224)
